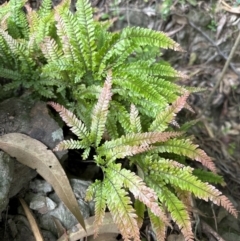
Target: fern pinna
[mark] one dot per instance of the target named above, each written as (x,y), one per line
(160,186)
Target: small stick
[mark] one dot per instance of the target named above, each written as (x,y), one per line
(207,229)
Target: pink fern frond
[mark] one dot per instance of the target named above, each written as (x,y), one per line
(223,201)
(77,126)
(179,103)
(143,193)
(202,157)
(124,151)
(100,111)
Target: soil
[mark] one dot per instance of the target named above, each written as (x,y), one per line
(207,31)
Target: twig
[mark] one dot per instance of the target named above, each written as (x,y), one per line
(209,230)
(215,46)
(222,73)
(211,41)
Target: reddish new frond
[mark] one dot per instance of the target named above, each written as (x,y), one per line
(185,147)
(168,116)
(143,193)
(202,157)
(179,103)
(100,111)
(223,201)
(121,152)
(141,139)
(77,127)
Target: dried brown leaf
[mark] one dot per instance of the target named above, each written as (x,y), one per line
(36,155)
(108,226)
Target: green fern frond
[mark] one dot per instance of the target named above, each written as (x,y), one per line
(175,206)
(4,11)
(141,90)
(206,176)
(45,8)
(140,191)
(148,69)
(87,29)
(17,21)
(142,37)
(124,118)
(17,48)
(90,93)
(135,120)
(120,206)
(77,126)
(63,6)
(100,111)
(44,27)
(69,30)
(185,180)
(140,209)
(100,195)
(187,125)
(105,52)
(167,116)
(158,226)
(9,74)
(111,126)
(185,147)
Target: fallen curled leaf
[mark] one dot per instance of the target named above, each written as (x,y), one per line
(36,155)
(35,229)
(77,232)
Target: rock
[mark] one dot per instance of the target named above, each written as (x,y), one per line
(24,115)
(21,176)
(20,230)
(79,187)
(6,177)
(65,217)
(40,186)
(42,204)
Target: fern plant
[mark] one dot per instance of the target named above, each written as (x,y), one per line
(21,58)
(71,57)
(64,55)
(161,185)
(60,54)
(84,50)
